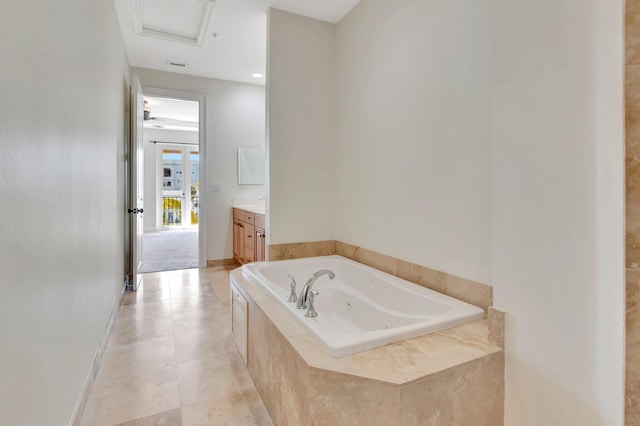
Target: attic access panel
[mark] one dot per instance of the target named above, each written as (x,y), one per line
(182,21)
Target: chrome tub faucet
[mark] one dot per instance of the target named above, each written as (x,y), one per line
(303,297)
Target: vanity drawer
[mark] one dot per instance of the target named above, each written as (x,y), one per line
(248,216)
(249,231)
(259,221)
(244,215)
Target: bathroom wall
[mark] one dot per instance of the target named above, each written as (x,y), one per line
(413,131)
(235,118)
(632,98)
(152,215)
(63,122)
(557,202)
(472,142)
(301,129)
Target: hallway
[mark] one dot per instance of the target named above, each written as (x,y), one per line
(170,359)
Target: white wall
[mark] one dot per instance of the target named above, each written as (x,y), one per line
(485,145)
(301,131)
(235,118)
(62,136)
(152,217)
(557,184)
(413,158)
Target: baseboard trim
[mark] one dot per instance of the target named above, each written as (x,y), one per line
(221,262)
(76,418)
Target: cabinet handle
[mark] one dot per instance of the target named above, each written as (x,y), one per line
(259,235)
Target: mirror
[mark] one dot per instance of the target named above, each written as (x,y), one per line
(250,166)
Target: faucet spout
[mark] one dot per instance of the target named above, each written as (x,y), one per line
(306,289)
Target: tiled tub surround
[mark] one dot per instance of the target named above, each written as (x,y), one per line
(632,143)
(361,308)
(451,377)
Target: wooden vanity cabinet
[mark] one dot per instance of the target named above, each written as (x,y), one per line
(249,243)
(260,237)
(248,236)
(238,239)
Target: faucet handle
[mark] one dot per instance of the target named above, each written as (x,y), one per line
(311,311)
(292,296)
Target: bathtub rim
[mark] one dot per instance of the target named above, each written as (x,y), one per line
(342,344)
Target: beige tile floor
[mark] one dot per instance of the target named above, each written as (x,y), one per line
(170,359)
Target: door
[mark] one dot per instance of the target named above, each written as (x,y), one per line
(259,244)
(137,182)
(238,240)
(180,175)
(249,243)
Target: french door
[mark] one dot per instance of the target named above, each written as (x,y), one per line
(179,173)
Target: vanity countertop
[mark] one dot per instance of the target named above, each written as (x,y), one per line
(253,208)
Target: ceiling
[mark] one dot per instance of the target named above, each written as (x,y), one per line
(231,46)
(172,114)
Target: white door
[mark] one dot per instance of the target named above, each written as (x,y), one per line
(137,182)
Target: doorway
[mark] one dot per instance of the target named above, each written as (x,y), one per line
(172,183)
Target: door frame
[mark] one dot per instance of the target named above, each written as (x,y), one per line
(202,146)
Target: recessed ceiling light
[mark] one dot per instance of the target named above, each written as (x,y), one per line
(257,75)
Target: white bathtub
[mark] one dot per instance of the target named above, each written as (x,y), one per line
(362,308)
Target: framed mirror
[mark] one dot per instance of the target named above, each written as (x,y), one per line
(251,166)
